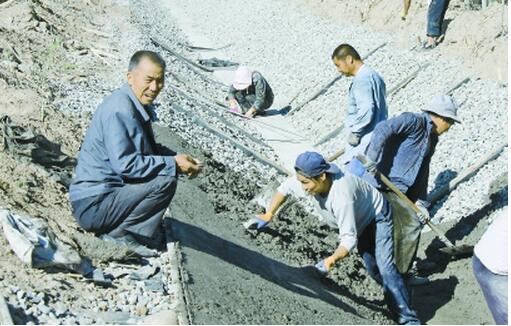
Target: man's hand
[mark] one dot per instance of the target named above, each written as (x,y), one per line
(251,113)
(353,139)
(423,215)
(258,222)
(369,165)
(321,268)
(188,165)
(233,106)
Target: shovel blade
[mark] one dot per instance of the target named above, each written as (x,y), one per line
(462,250)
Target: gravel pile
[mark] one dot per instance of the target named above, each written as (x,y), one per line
(483,112)
(139,291)
(282,59)
(295,54)
(186,115)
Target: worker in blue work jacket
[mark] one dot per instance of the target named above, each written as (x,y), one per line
(401,149)
(124,180)
(366,100)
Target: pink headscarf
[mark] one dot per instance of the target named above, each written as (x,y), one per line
(242,78)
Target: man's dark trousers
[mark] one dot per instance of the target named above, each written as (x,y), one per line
(376,247)
(436,14)
(135,208)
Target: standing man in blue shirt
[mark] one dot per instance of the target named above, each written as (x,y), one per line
(124,180)
(366,99)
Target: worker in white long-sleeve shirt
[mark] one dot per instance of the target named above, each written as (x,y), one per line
(363,217)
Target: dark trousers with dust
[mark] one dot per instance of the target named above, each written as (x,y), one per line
(376,246)
(135,209)
(245,102)
(436,14)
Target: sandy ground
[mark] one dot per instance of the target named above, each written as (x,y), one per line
(481,44)
(58,60)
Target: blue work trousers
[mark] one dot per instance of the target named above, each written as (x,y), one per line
(436,14)
(494,288)
(376,246)
(135,208)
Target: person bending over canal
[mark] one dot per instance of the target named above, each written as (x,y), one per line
(249,93)
(362,216)
(401,148)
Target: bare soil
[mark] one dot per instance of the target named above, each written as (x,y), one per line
(478,38)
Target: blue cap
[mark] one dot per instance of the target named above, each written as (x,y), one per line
(313,164)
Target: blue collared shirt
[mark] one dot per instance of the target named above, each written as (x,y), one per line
(366,101)
(118,148)
(403,147)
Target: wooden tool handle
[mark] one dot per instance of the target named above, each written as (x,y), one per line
(335,155)
(400,194)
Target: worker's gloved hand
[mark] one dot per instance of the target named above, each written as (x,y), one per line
(353,139)
(355,167)
(423,215)
(255,223)
(321,268)
(235,109)
(370,165)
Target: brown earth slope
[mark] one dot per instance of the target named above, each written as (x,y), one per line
(478,37)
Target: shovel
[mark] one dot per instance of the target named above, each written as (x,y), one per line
(451,249)
(267,193)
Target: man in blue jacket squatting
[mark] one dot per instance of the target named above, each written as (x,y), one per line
(124,180)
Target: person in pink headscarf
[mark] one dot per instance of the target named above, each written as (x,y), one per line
(249,93)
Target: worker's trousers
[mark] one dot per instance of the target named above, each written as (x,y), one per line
(436,14)
(245,102)
(376,246)
(494,288)
(136,209)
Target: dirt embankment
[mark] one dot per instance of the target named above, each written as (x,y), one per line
(51,56)
(479,37)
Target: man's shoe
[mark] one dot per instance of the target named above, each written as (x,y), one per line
(417,280)
(158,241)
(425,266)
(131,243)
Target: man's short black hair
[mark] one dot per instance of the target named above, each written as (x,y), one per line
(152,56)
(344,50)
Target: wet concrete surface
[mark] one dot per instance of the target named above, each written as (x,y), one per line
(235,277)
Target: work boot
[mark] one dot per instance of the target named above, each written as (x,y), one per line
(158,241)
(132,244)
(413,280)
